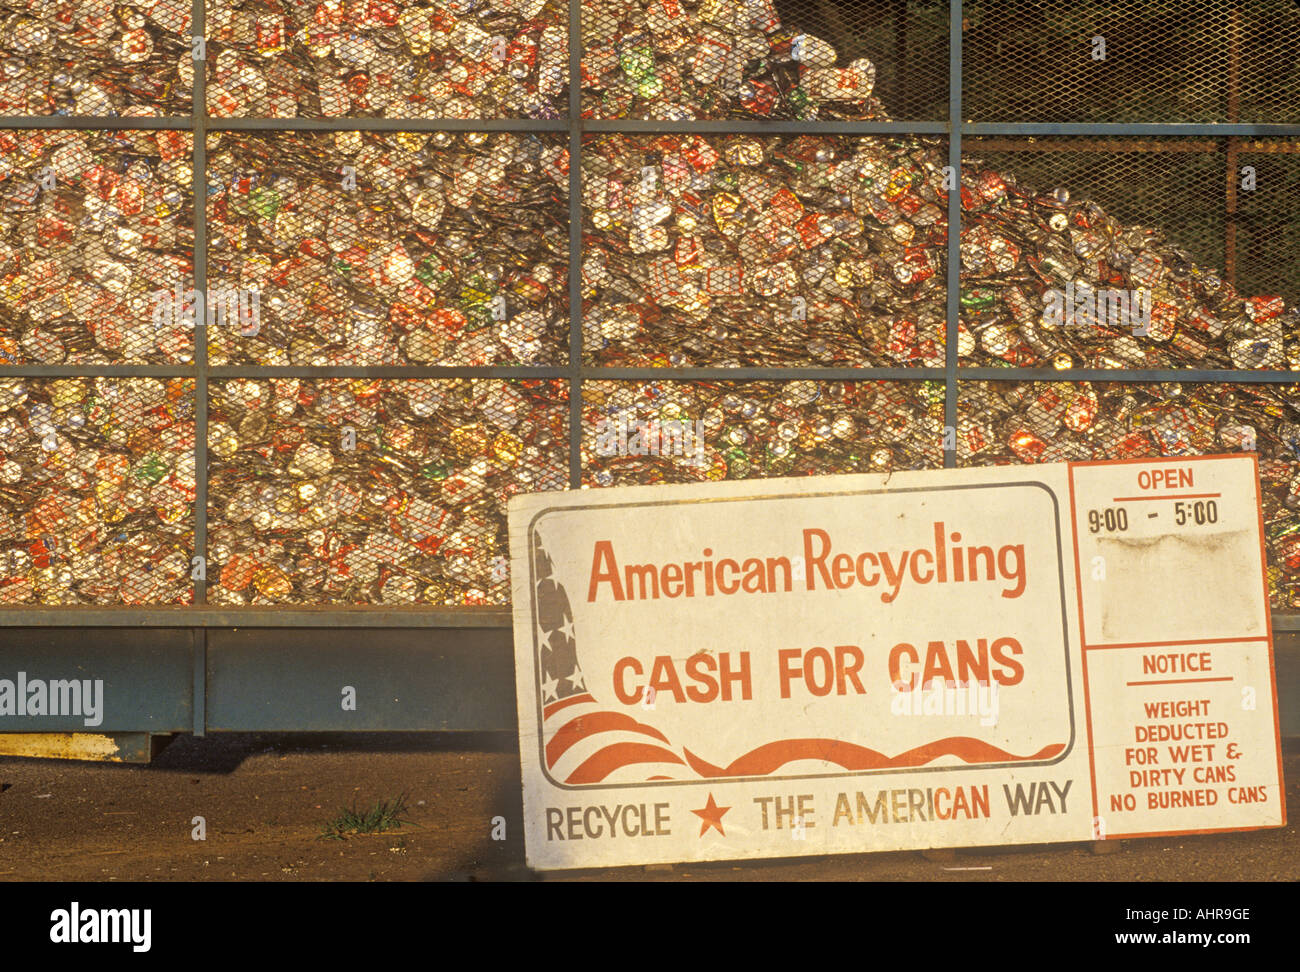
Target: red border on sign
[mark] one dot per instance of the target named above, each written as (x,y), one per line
(1268,619)
(1083,654)
(1056,758)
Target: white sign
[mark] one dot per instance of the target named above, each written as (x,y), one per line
(842,664)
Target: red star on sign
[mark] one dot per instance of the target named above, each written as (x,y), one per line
(712,816)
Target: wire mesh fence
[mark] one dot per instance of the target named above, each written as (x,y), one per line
(95,58)
(1131,61)
(367,248)
(451,251)
(368,491)
(722,59)
(388,59)
(97,490)
(1049,421)
(675,431)
(905,41)
(96,246)
(1126,253)
(736,250)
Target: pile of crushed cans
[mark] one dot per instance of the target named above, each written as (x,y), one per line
(389,59)
(676,431)
(96,240)
(357,491)
(1051,280)
(451,249)
(96,490)
(736,250)
(714,59)
(379,249)
(95,57)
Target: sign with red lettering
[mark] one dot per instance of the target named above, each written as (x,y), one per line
(968,657)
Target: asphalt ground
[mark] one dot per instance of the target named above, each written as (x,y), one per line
(266,799)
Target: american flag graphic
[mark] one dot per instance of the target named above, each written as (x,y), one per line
(584,741)
(587,742)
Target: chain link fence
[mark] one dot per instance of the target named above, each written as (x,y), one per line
(447,252)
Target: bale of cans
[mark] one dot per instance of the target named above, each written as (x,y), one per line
(365,491)
(96,491)
(388,59)
(739,250)
(95,57)
(96,240)
(379,249)
(676,431)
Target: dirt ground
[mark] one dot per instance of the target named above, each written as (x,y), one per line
(265,799)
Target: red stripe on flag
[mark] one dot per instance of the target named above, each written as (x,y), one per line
(585,725)
(555,707)
(599,766)
(771,757)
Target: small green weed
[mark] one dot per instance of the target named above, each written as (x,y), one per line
(384,815)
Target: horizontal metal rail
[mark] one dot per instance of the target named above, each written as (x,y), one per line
(388,371)
(615,373)
(775,126)
(300,616)
(283,616)
(1112,145)
(1129,129)
(720,126)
